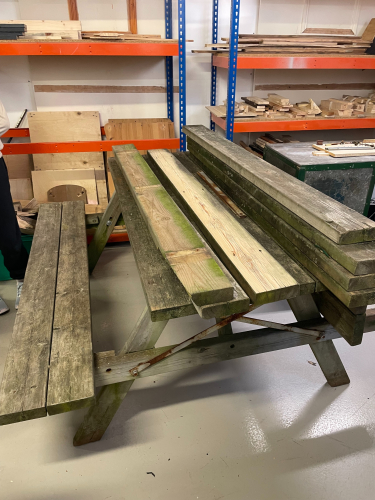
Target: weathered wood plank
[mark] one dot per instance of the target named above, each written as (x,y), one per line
(24,385)
(103,231)
(165,295)
(348,324)
(179,243)
(113,369)
(307,283)
(359,259)
(71,381)
(257,272)
(328,216)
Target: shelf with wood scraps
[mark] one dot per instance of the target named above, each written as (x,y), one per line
(296,61)
(275,125)
(87,48)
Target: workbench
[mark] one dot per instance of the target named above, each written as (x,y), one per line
(348,180)
(66,382)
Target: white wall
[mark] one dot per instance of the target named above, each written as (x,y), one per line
(18,74)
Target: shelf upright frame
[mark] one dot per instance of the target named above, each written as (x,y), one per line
(169,59)
(215,27)
(182,71)
(232,66)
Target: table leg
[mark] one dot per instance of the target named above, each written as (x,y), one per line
(103,231)
(304,308)
(144,336)
(225,330)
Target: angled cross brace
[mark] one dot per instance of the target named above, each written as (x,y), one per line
(103,231)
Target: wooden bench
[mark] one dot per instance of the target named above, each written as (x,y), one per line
(49,367)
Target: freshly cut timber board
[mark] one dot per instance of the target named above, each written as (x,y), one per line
(339,223)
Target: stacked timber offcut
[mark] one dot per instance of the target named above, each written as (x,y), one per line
(314,42)
(332,242)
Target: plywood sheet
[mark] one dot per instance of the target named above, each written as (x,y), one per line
(47,179)
(21,189)
(19,166)
(41,26)
(63,126)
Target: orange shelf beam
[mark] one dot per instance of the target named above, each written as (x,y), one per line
(85,146)
(25,132)
(289,125)
(87,49)
(297,62)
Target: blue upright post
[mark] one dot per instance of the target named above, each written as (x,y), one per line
(182,70)
(169,59)
(232,66)
(215,27)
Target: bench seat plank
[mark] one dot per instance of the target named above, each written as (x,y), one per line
(24,385)
(71,378)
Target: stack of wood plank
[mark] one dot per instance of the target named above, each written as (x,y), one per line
(48,30)
(125,36)
(11,31)
(305,44)
(332,242)
(85,170)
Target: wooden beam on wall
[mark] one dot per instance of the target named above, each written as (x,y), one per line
(73,10)
(132,16)
(103,89)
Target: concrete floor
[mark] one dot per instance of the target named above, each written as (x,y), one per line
(266,427)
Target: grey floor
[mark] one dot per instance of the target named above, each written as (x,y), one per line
(266,427)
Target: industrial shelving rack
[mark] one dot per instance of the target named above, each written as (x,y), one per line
(97,48)
(232,62)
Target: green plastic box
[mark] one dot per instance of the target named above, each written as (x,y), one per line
(4,274)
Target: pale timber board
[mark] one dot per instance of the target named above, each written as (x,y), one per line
(65,126)
(173,234)
(307,283)
(44,180)
(21,189)
(208,351)
(258,273)
(23,388)
(71,380)
(328,216)
(358,258)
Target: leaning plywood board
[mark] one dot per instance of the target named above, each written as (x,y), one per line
(19,166)
(65,126)
(21,189)
(71,378)
(358,258)
(331,218)
(177,240)
(258,273)
(24,385)
(44,180)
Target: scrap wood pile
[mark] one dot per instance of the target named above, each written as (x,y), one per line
(275,106)
(48,30)
(284,239)
(304,44)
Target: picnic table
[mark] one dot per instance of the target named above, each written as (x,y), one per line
(51,367)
